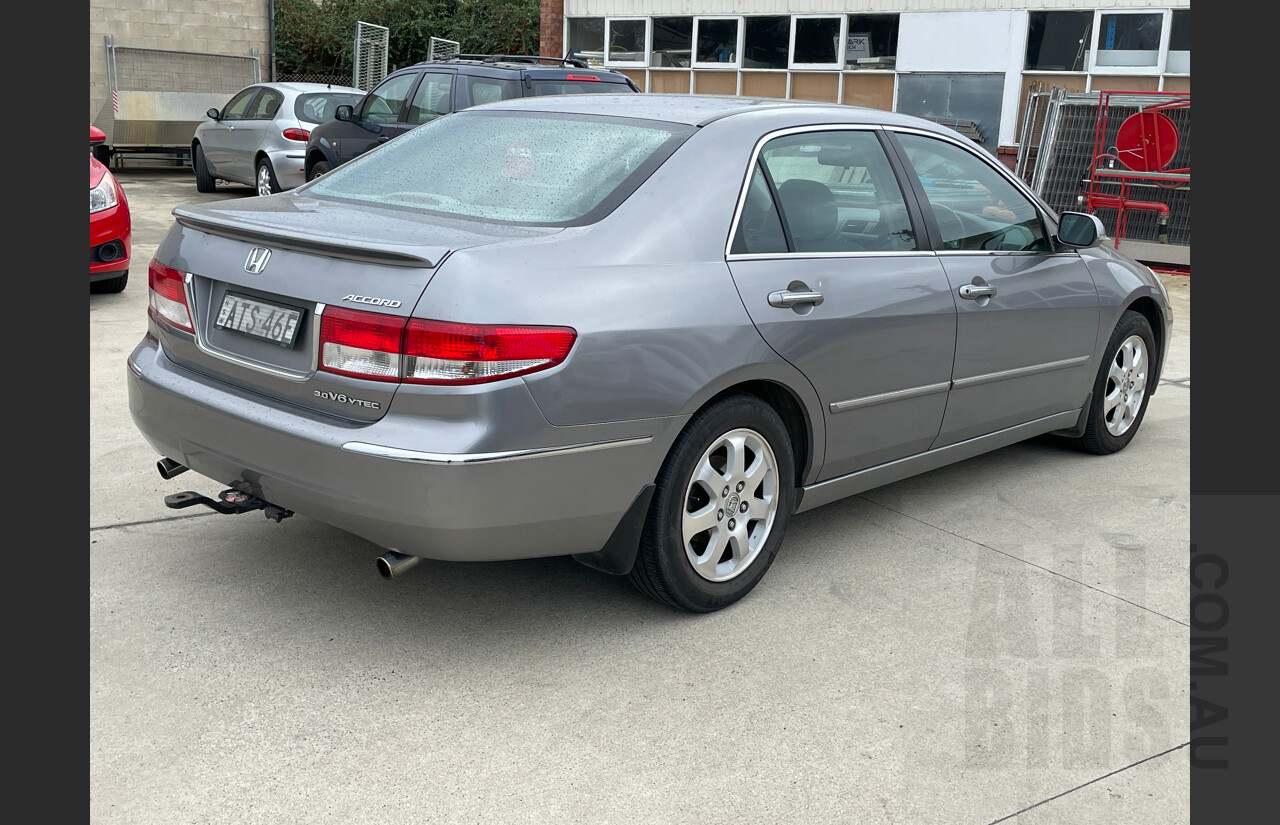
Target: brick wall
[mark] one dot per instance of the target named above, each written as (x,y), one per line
(551,28)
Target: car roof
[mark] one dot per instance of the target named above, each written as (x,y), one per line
(299,87)
(698,110)
(519,62)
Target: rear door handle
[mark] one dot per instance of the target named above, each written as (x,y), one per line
(786,298)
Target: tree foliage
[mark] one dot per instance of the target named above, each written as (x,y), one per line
(318,35)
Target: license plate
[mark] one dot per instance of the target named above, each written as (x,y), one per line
(259,319)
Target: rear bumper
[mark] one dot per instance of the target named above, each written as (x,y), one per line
(397,482)
(288,166)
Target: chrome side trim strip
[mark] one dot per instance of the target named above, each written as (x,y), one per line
(420,457)
(865,253)
(975,380)
(898,395)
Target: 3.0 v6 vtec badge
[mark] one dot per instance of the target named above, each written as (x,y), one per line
(343,398)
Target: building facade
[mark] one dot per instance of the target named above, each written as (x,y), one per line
(968,61)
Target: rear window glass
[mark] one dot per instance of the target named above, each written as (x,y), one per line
(579,87)
(318,107)
(517,167)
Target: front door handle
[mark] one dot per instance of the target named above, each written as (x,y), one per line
(786,298)
(973,291)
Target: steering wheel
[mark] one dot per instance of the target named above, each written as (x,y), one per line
(956,230)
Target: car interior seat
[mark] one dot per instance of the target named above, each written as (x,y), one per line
(812,214)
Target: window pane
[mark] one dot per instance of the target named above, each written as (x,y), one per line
(871,42)
(265,105)
(838,192)
(586,37)
(766,40)
(672,40)
(384,102)
(717,41)
(319,107)
(975,206)
(817,40)
(626,40)
(1129,40)
(1058,40)
(432,98)
(489,89)
(236,108)
(759,229)
(1180,43)
(529,169)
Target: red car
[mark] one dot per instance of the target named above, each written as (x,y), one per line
(110,230)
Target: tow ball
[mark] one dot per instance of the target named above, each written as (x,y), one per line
(229,503)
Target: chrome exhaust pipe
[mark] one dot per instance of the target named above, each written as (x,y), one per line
(394,563)
(169,468)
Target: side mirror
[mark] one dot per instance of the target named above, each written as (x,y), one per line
(96,136)
(1080,229)
(213,114)
(344,113)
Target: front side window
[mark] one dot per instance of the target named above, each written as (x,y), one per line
(431,98)
(530,169)
(384,103)
(976,207)
(836,192)
(236,108)
(1058,41)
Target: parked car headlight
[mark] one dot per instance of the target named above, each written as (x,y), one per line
(103,196)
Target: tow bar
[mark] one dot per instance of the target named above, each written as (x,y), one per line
(229,503)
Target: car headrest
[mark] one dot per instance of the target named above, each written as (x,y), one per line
(810,209)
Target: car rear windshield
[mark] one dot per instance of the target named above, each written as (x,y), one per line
(318,107)
(528,168)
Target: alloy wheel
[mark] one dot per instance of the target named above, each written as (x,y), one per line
(730,505)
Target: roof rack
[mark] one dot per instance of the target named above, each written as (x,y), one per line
(521,58)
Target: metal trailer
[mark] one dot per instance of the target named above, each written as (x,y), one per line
(158,98)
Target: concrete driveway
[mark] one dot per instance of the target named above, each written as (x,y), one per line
(1002,640)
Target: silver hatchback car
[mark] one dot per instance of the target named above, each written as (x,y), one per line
(260,137)
(642,331)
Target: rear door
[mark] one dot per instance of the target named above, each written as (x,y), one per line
(1028,313)
(829,259)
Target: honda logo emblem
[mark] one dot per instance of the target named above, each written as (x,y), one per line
(257,260)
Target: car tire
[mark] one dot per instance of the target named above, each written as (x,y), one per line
(204,178)
(320,167)
(108,285)
(265,178)
(732,464)
(1120,391)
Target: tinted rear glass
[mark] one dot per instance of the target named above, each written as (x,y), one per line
(317,107)
(514,167)
(578,87)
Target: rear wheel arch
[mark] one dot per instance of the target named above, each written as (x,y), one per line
(790,409)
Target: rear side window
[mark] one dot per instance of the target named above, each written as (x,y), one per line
(490,89)
(318,107)
(578,87)
(515,167)
(265,105)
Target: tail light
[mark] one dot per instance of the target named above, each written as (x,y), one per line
(361,344)
(443,353)
(385,348)
(300,135)
(168,296)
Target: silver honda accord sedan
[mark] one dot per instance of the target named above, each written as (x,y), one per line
(642,331)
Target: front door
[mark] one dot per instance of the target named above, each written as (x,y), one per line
(1027,313)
